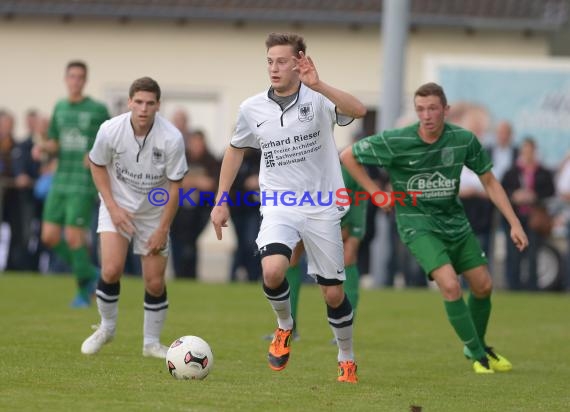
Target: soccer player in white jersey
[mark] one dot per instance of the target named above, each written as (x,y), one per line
(426,159)
(292,123)
(137,157)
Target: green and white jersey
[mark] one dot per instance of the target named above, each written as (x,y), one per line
(74,126)
(432,171)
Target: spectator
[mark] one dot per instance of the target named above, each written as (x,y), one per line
(528,184)
(563,191)
(246,218)
(24,251)
(8,206)
(478,208)
(503,153)
(181,120)
(203,172)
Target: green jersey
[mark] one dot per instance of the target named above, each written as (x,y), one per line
(431,171)
(74,127)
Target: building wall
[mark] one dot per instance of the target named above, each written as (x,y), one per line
(210,68)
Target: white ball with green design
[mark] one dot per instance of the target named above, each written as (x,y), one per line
(189,357)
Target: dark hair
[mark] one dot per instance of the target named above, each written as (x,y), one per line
(530,141)
(431,89)
(145,84)
(286,39)
(76,63)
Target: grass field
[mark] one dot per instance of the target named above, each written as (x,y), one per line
(407,353)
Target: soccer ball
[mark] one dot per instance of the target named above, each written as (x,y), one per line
(189,357)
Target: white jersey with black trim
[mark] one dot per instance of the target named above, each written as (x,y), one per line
(300,166)
(137,166)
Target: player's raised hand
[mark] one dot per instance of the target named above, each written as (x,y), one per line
(219,217)
(519,237)
(307,71)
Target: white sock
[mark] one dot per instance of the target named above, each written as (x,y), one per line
(340,320)
(344,341)
(108,304)
(155,310)
(281,304)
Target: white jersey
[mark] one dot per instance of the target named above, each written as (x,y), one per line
(135,167)
(300,166)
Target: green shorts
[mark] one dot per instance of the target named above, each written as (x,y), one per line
(355,220)
(463,254)
(66,209)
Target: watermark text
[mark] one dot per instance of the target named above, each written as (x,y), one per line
(341,197)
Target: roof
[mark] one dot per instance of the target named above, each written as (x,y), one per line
(538,15)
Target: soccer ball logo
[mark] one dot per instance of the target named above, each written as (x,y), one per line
(189,357)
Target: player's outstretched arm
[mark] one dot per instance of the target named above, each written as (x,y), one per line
(500,199)
(233,157)
(357,171)
(346,103)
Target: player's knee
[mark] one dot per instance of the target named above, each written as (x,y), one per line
(483,288)
(334,295)
(451,290)
(154,287)
(74,239)
(111,272)
(50,239)
(273,276)
(275,259)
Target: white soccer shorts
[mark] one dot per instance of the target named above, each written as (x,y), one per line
(322,239)
(143,230)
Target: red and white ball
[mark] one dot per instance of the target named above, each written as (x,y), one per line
(189,357)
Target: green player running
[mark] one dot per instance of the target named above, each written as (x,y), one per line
(72,196)
(353,225)
(424,161)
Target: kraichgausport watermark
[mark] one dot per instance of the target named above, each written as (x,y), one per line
(341,197)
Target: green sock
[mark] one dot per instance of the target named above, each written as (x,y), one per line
(83,269)
(62,251)
(351,285)
(460,319)
(293,276)
(480,309)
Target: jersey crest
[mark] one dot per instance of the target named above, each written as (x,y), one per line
(306,112)
(84,120)
(447,156)
(157,155)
